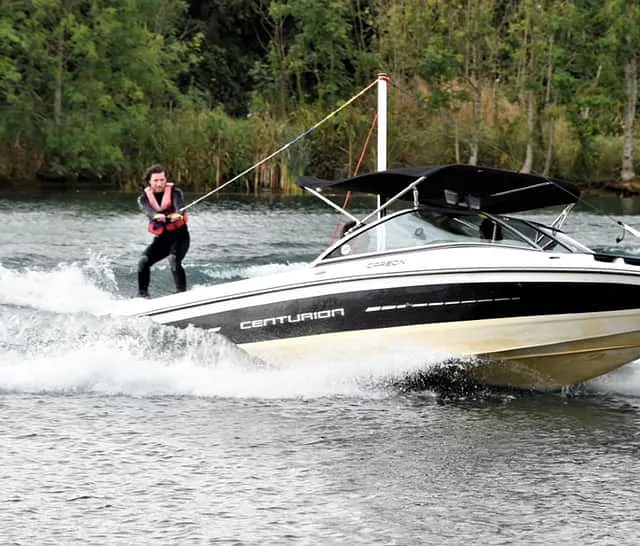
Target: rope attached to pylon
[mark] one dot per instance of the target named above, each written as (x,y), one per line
(283,148)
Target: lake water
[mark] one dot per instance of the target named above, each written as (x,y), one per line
(120,431)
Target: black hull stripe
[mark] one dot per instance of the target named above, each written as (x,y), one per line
(414,305)
(368,278)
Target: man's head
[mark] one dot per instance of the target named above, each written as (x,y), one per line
(156,177)
(348,227)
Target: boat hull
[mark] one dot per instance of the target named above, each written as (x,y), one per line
(522,328)
(541,353)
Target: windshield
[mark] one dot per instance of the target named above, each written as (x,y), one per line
(422,227)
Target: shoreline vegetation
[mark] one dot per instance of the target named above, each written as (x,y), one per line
(43,186)
(92,95)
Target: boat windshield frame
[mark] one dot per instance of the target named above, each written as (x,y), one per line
(425,227)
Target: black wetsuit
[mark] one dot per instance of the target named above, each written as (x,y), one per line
(174,244)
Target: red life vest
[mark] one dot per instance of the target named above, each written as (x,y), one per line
(165,207)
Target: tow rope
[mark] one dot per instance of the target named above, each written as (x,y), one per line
(283,148)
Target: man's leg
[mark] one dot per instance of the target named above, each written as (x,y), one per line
(178,252)
(156,251)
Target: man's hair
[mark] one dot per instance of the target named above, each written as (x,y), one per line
(154,169)
(348,226)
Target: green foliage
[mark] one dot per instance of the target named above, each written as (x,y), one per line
(99,89)
(320,50)
(88,71)
(232,37)
(11,43)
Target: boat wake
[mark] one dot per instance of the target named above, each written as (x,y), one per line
(231,272)
(80,353)
(67,288)
(624,381)
(56,340)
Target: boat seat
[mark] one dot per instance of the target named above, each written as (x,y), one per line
(490,231)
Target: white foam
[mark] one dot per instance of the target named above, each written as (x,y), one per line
(624,380)
(83,353)
(67,288)
(252,271)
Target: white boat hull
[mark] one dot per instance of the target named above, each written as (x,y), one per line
(542,353)
(549,322)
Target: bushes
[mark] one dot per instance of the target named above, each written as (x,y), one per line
(204,148)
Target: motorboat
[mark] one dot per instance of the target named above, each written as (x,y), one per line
(446,264)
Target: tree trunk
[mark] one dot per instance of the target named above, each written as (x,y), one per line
(547,107)
(477,123)
(631,88)
(528,160)
(282,76)
(550,144)
(57,98)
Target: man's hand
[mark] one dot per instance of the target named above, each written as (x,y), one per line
(174,217)
(159,217)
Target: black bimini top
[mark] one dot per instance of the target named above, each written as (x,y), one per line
(460,186)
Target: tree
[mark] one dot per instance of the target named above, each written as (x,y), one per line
(318,51)
(89,70)
(623,41)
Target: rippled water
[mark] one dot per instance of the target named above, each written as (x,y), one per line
(119,431)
